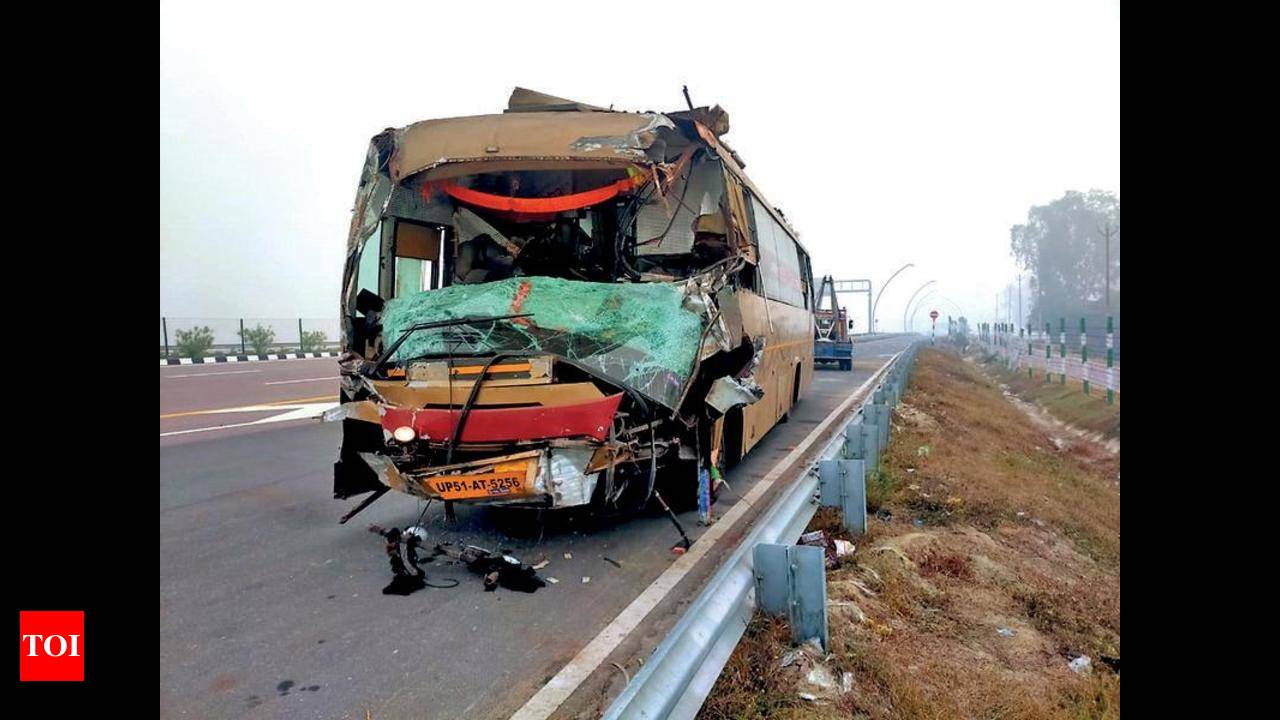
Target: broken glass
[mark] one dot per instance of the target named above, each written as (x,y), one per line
(644,336)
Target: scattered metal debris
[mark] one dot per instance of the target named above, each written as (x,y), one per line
(496,569)
(405,580)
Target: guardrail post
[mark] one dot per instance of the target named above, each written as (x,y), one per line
(1048,352)
(1111,394)
(862,442)
(164,328)
(791,580)
(843,484)
(1062,350)
(1084,356)
(1031,348)
(871,416)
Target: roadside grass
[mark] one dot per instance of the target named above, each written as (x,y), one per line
(1066,401)
(992,559)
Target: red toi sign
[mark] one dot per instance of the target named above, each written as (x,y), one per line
(933,314)
(50,645)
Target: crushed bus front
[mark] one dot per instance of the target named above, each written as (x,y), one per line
(560,306)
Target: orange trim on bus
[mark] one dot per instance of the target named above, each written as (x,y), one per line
(475,369)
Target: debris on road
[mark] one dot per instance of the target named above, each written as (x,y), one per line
(496,569)
(833,548)
(403,582)
(613,562)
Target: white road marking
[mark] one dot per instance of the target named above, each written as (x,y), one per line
(552,695)
(302,411)
(290,382)
(210,374)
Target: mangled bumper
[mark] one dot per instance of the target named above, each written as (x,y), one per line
(549,477)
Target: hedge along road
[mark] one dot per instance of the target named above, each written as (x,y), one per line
(269,608)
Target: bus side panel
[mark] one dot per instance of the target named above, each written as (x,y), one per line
(788,346)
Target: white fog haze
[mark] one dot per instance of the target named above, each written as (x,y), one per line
(889,133)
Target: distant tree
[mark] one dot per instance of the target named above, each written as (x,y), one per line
(312,340)
(259,338)
(194,342)
(1063,246)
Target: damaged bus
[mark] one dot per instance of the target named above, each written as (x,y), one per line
(564,305)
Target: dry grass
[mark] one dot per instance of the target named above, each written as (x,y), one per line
(1066,401)
(994,560)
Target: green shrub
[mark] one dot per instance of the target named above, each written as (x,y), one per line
(259,338)
(313,340)
(194,342)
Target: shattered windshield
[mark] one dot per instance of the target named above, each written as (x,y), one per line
(641,335)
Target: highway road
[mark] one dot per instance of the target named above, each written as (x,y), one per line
(270,609)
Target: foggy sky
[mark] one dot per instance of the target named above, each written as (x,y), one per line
(887,132)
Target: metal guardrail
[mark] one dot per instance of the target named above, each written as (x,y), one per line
(678,676)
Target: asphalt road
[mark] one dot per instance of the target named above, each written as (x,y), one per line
(204,401)
(270,609)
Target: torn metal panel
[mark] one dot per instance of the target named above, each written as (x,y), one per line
(387,472)
(634,143)
(665,225)
(469,226)
(525,100)
(363,410)
(562,477)
(727,393)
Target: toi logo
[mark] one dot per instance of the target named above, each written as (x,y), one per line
(50,645)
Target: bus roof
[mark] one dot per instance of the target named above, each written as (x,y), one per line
(618,137)
(545,128)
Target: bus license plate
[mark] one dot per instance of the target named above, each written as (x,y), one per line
(505,479)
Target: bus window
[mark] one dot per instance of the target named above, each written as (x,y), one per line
(779,258)
(367,272)
(417,258)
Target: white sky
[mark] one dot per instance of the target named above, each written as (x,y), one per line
(888,132)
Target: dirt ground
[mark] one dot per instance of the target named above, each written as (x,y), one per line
(992,561)
(1065,401)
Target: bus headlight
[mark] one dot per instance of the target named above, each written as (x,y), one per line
(404,434)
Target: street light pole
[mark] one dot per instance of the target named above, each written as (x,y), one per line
(926,297)
(1019,299)
(876,304)
(1107,262)
(907,309)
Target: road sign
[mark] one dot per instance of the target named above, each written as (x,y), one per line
(933,314)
